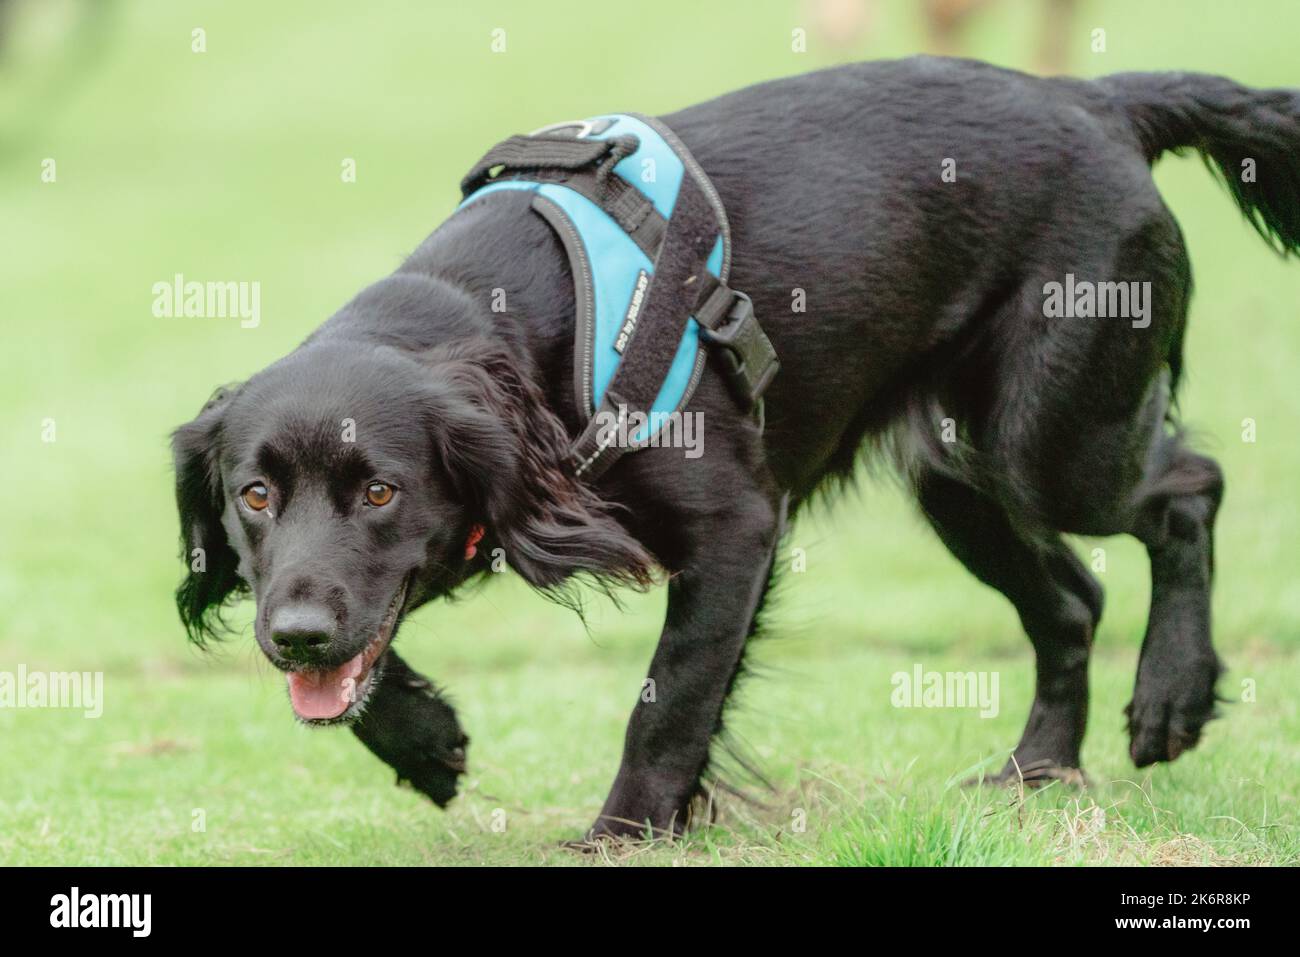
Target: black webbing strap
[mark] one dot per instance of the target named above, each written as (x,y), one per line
(546,151)
(729,324)
(679,278)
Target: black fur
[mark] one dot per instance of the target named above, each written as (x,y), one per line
(924,312)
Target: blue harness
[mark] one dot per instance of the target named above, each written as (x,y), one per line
(610,186)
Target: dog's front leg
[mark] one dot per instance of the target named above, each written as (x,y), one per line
(410,727)
(712,603)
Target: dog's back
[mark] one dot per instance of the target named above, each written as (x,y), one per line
(892,219)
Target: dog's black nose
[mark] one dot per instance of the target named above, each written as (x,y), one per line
(302,632)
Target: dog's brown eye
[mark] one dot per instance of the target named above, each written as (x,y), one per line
(378,494)
(256,497)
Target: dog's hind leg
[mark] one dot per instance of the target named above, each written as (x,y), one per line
(1131,474)
(1059,604)
(1177,670)
(1171,510)
(410,727)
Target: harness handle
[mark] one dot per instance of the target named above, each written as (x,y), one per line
(545,151)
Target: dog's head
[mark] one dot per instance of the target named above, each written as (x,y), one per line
(347,484)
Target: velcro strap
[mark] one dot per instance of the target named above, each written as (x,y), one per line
(541,152)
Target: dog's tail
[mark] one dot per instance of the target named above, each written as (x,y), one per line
(1250,137)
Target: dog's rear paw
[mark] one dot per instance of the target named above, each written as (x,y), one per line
(1169,711)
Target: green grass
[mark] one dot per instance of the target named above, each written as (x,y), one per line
(225,165)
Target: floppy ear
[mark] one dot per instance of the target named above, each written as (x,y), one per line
(505,453)
(211,564)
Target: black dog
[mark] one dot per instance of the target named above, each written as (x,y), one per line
(922,209)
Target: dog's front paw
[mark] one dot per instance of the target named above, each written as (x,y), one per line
(627,821)
(607,833)
(433,777)
(1170,708)
(433,767)
(411,728)
(1032,774)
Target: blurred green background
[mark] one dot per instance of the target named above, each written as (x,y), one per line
(226,165)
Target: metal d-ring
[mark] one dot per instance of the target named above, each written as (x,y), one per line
(584,128)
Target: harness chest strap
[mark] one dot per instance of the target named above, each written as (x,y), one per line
(679,272)
(681,287)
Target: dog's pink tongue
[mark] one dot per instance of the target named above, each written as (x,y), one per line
(317,695)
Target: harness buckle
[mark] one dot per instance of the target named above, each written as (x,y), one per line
(749,358)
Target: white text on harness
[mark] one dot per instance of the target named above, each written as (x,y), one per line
(633,312)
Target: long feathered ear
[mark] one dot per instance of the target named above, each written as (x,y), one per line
(211,564)
(504,451)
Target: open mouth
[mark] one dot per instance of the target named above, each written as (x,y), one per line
(338,694)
